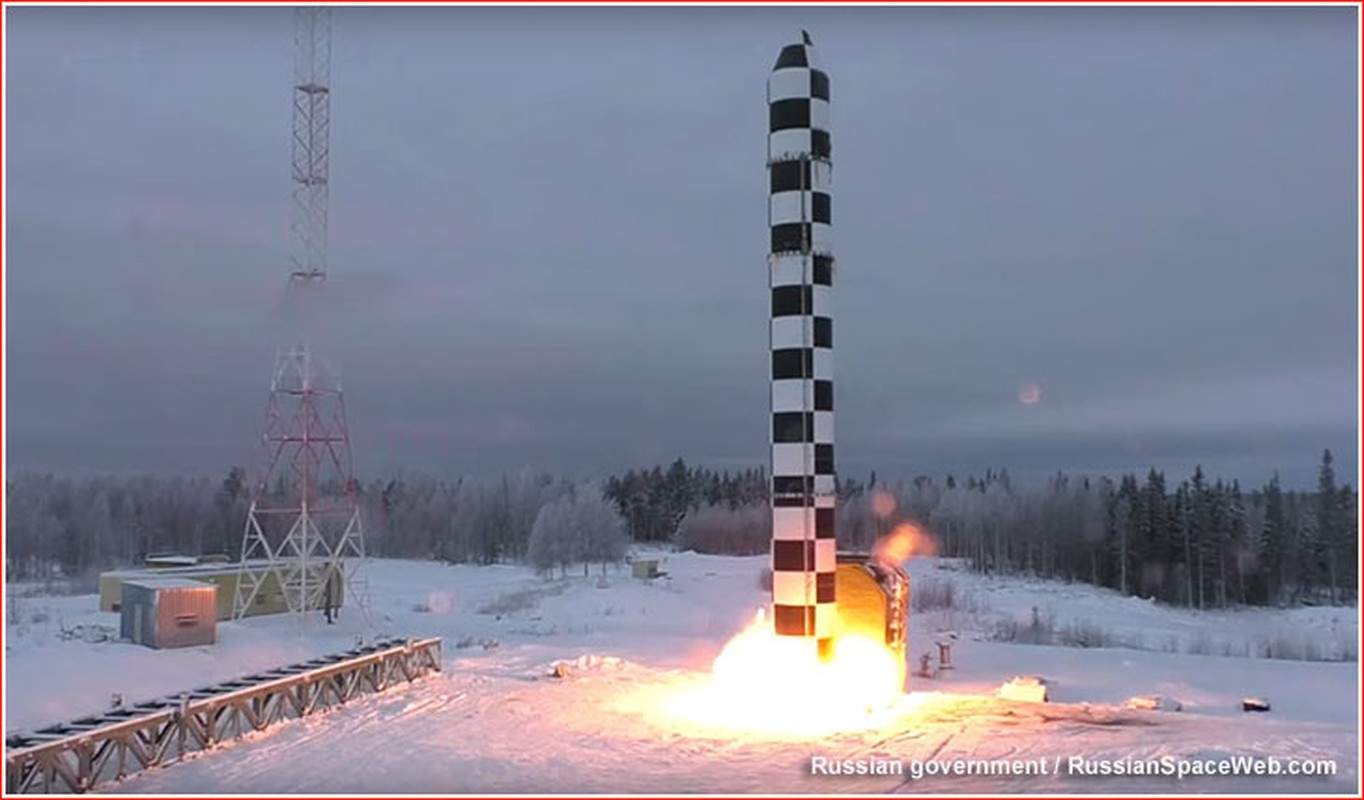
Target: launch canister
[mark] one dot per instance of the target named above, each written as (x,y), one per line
(801,263)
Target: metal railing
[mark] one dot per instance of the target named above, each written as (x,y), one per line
(77,755)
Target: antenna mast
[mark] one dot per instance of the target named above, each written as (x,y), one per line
(303,546)
(312,128)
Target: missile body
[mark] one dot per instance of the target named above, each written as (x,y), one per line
(801,263)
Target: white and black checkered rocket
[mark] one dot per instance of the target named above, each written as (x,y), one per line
(799,170)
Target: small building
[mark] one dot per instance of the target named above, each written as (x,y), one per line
(169,612)
(269,598)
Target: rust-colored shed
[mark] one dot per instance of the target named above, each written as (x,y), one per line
(169,612)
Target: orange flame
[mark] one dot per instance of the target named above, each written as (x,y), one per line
(905,541)
(779,685)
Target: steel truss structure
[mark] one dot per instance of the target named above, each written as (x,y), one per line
(305,522)
(76,756)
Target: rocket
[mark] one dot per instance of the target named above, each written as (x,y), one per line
(801,265)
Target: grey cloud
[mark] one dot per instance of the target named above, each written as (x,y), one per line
(548,232)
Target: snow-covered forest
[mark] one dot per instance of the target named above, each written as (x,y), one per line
(1199,542)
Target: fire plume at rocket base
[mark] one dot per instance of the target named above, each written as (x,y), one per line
(801,264)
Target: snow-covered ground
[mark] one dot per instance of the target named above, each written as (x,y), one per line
(625,720)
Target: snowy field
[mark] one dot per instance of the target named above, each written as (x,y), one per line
(627,718)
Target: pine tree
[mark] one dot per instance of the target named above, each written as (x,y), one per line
(1200,535)
(678,498)
(1216,542)
(1238,546)
(1124,517)
(1182,517)
(1270,553)
(1348,553)
(1154,533)
(1328,524)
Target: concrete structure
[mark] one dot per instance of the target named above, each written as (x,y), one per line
(801,266)
(169,612)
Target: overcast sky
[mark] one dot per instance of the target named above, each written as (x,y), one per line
(549,236)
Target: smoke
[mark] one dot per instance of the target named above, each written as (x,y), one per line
(336,316)
(904,541)
(882,504)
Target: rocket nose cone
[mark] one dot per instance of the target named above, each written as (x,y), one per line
(792,55)
(797,55)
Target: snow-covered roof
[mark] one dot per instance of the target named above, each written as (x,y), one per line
(184,561)
(170,583)
(197,569)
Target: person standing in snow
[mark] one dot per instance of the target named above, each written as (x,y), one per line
(329,597)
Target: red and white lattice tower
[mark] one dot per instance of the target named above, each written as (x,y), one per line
(304,535)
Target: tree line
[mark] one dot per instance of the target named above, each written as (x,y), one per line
(1199,543)
(65,527)
(1202,543)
